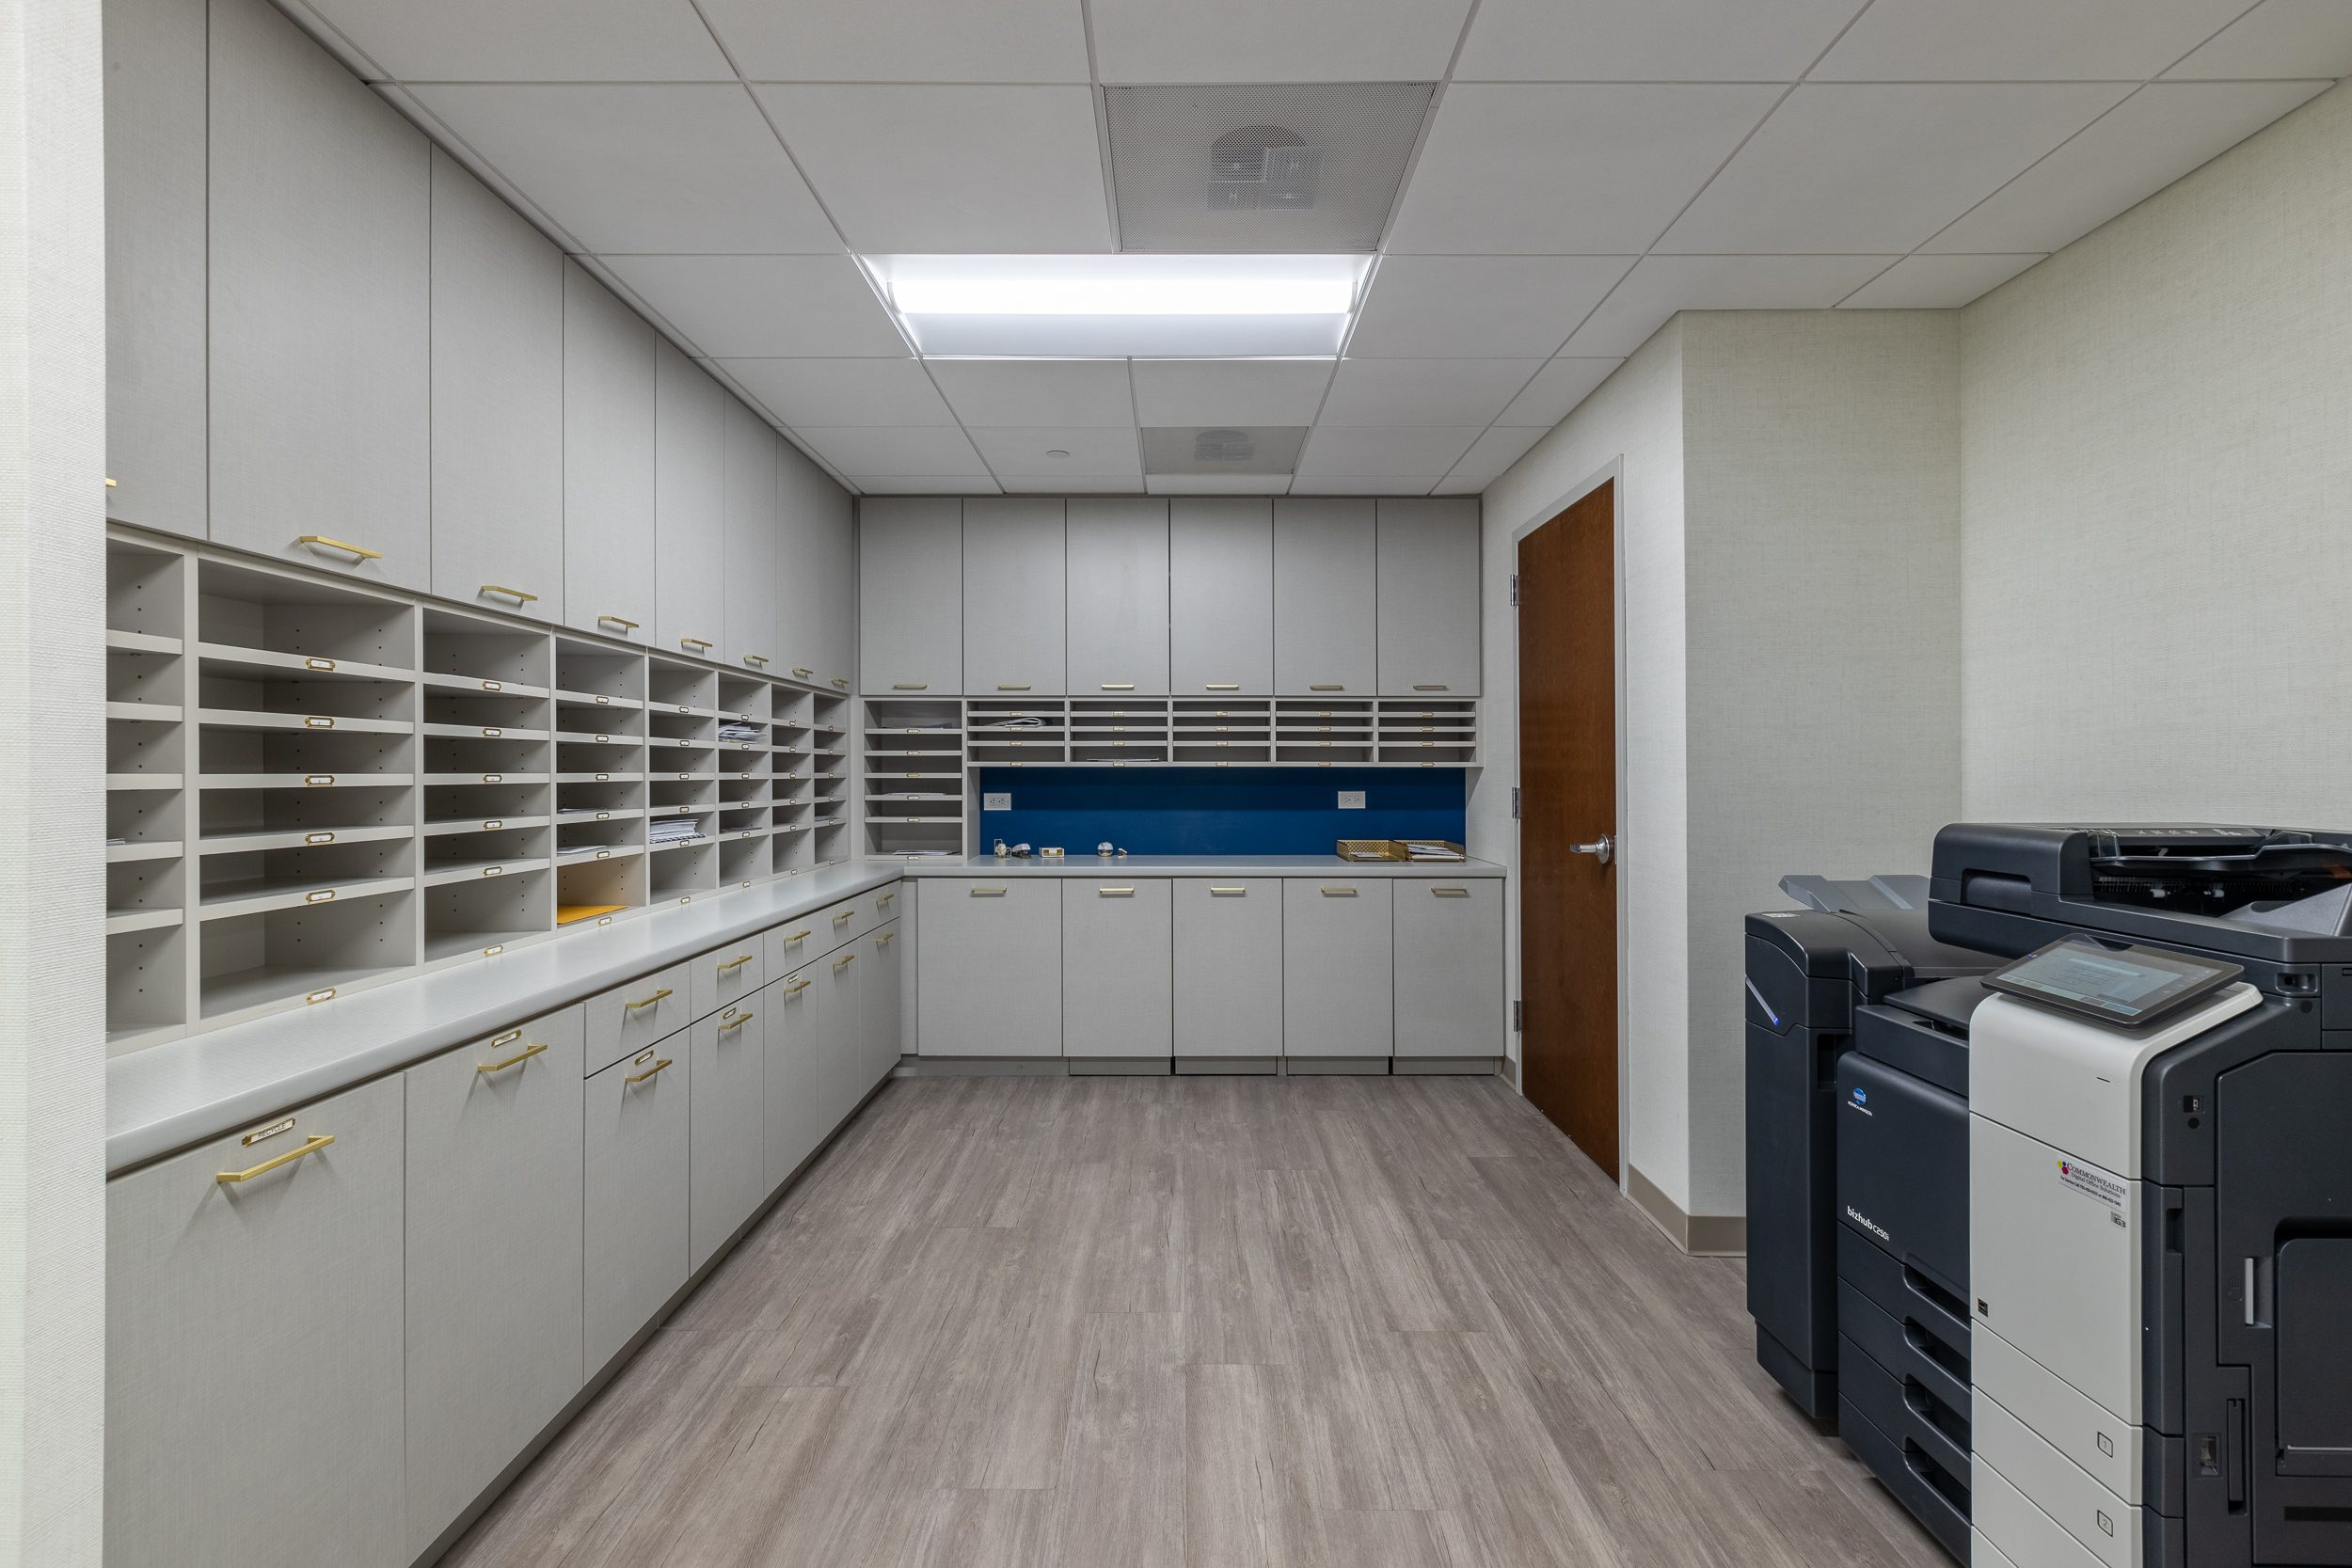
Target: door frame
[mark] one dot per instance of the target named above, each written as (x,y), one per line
(1611,472)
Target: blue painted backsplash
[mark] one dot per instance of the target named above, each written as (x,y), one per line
(1215,811)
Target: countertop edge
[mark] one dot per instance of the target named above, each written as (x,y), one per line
(1197,866)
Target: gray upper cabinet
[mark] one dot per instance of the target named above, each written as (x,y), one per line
(608,461)
(911,595)
(1325,598)
(1117,595)
(1013,595)
(1220,595)
(498,402)
(689,505)
(320,285)
(817,573)
(155,180)
(1429,596)
(749,592)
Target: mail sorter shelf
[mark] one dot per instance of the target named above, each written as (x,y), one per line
(1014,732)
(307,952)
(1120,731)
(1221,732)
(914,785)
(485,916)
(1431,731)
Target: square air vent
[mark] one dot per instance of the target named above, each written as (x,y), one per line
(1270,167)
(1222,449)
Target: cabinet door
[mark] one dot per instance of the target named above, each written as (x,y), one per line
(253,1347)
(498,402)
(1324,597)
(817,565)
(726,1165)
(750,591)
(1117,595)
(1220,589)
(635,1218)
(1429,596)
(155,263)
(689,505)
(791,1090)
(1118,958)
(320,324)
(1449,968)
(911,593)
(990,982)
(1013,595)
(493,1286)
(1229,967)
(727,976)
(608,461)
(883,1009)
(841,1080)
(1337,999)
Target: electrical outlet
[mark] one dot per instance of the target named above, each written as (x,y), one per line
(996,802)
(1351,799)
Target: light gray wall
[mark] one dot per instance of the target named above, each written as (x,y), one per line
(2158,502)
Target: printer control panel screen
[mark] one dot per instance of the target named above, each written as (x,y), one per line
(2130,985)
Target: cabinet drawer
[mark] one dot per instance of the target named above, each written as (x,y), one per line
(838,923)
(1448,969)
(1228,983)
(990,980)
(635,1217)
(727,1173)
(1336,996)
(624,1021)
(727,977)
(790,1089)
(1118,968)
(799,941)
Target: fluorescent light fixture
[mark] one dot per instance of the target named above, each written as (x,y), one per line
(1115,306)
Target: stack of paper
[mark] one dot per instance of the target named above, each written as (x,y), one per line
(675,830)
(1420,850)
(738,729)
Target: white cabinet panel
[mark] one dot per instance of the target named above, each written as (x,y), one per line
(1428,554)
(320,325)
(817,567)
(990,982)
(727,1173)
(624,1021)
(493,1258)
(1448,968)
(750,591)
(1337,999)
(727,977)
(1013,595)
(253,1347)
(1227,967)
(689,505)
(635,1222)
(1220,595)
(841,1080)
(911,593)
(1324,597)
(791,1090)
(1117,596)
(498,402)
(881,1013)
(1117,958)
(155,183)
(608,461)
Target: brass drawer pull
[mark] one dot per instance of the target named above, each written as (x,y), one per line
(988,892)
(1330,686)
(803,674)
(796,936)
(844,914)
(842,681)
(843,962)
(1013,685)
(796,988)
(760,660)
(649,1000)
(1227,892)
(1339,893)
(910,686)
(514,594)
(316,1142)
(321,541)
(620,621)
(1222,686)
(640,1077)
(734,963)
(885,939)
(701,643)
(884,899)
(516,1060)
(1449,893)
(1431,686)
(1119,686)
(1115,892)
(735,1020)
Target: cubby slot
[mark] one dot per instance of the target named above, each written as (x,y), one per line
(682,872)
(139,750)
(500,852)
(680,688)
(489,654)
(146,681)
(487,913)
(743,861)
(592,675)
(144,591)
(142,894)
(307,952)
(147,982)
(296,813)
(243,881)
(297,624)
(478,805)
(145,821)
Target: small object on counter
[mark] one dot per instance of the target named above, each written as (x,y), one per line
(1104,848)
(1001,850)
(1049,854)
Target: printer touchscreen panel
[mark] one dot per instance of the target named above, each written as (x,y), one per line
(2126,985)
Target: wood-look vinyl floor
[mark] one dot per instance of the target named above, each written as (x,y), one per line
(1200,1323)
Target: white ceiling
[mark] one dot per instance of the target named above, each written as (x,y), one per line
(1590,167)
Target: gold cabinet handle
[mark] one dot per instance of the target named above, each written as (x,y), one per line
(1222,686)
(885,939)
(514,594)
(734,963)
(735,1020)
(1339,893)
(843,962)
(620,621)
(317,1141)
(649,1000)
(640,1077)
(1227,892)
(884,899)
(1431,686)
(1013,685)
(1115,892)
(796,988)
(701,643)
(907,685)
(796,936)
(760,660)
(1119,686)
(516,1060)
(1334,687)
(988,892)
(1449,893)
(803,674)
(842,681)
(321,541)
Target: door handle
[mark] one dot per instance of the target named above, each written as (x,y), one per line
(1603,848)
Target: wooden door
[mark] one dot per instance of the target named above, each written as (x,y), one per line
(1568,783)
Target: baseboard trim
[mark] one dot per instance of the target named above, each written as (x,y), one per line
(1701,1235)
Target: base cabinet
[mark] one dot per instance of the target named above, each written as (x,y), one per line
(1337,999)
(636,1195)
(253,1334)
(727,1174)
(493,1287)
(840,1034)
(1448,969)
(1228,968)
(794,1101)
(1118,971)
(881,1012)
(990,982)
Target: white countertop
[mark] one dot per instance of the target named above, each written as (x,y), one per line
(168,1096)
(1093,865)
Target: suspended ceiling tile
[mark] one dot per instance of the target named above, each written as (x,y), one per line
(843,392)
(765,306)
(1649,41)
(1344,484)
(1299,41)
(1936,282)
(1880,169)
(1491,455)
(662,167)
(1088,449)
(1380,451)
(903,40)
(1662,285)
(1229,391)
(902,449)
(2277,38)
(1479,306)
(1090,392)
(1217,484)
(950,169)
(1568,170)
(1557,389)
(1067,485)
(2018,40)
(532,41)
(925,485)
(1424,392)
(2159,134)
